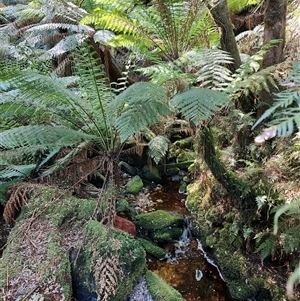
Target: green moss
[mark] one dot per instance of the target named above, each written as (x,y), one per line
(134,185)
(151,173)
(157,220)
(102,242)
(184,143)
(160,290)
(55,254)
(152,249)
(167,234)
(186,156)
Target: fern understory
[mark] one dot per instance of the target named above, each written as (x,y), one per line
(75,127)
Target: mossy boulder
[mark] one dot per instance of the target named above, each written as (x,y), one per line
(151,174)
(151,248)
(134,185)
(37,262)
(167,234)
(108,255)
(160,290)
(160,225)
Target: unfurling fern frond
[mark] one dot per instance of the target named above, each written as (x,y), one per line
(158,147)
(139,106)
(198,105)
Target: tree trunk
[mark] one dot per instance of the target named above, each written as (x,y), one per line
(238,190)
(275,23)
(221,16)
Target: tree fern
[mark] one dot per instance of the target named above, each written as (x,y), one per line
(141,105)
(169,27)
(198,105)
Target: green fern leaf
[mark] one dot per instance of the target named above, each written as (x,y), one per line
(158,147)
(139,106)
(198,105)
(33,135)
(16,171)
(267,247)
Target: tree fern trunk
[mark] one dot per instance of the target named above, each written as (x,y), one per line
(220,14)
(237,189)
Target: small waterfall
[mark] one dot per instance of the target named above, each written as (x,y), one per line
(181,244)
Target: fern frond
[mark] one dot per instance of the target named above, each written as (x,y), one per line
(32,135)
(198,105)
(158,147)
(27,143)
(267,247)
(137,107)
(16,171)
(285,116)
(211,67)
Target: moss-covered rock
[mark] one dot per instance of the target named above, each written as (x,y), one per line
(160,290)
(151,248)
(36,258)
(220,228)
(158,220)
(108,255)
(134,185)
(169,234)
(160,225)
(151,173)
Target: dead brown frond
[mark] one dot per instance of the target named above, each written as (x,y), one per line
(107,275)
(137,149)
(18,198)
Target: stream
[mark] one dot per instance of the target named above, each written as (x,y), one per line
(186,266)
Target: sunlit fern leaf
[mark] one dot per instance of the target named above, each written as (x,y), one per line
(198,105)
(116,21)
(158,147)
(137,107)
(164,72)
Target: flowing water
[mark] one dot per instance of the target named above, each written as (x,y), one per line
(186,266)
